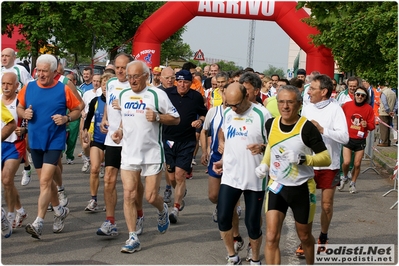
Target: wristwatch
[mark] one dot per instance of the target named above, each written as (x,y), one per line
(301,158)
(69,118)
(157,118)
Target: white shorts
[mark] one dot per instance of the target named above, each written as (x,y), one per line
(145,169)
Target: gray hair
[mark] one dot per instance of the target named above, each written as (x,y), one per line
(291,88)
(146,69)
(48,59)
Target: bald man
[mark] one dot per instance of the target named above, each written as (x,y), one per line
(13,149)
(8,57)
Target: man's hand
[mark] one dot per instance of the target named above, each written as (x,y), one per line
(218,167)
(117,136)
(262,171)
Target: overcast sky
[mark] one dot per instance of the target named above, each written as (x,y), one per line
(227,39)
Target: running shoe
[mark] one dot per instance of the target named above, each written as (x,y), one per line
(343,182)
(233,261)
(238,245)
(35,230)
(215,215)
(6,228)
(299,251)
(50,207)
(107,229)
(139,225)
(58,224)
(26,177)
(62,197)
(19,218)
(249,253)
(239,211)
(92,206)
(163,219)
(69,161)
(322,245)
(189,176)
(173,215)
(352,189)
(86,166)
(167,196)
(102,171)
(132,244)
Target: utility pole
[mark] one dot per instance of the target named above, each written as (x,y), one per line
(251,43)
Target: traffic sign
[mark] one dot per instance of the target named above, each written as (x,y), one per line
(199,55)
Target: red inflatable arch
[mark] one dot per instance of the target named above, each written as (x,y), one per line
(174,15)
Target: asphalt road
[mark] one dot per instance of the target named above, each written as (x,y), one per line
(363,218)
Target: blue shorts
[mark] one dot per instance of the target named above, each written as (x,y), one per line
(180,155)
(39,157)
(12,150)
(214,158)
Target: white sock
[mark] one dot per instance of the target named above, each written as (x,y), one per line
(21,211)
(38,220)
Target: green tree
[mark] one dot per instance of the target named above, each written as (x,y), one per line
(274,70)
(363,36)
(83,28)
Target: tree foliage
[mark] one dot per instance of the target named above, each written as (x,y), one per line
(73,27)
(363,36)
(274,70)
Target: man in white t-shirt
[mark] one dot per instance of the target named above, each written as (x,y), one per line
(244,137)
(144,109)
(110,123)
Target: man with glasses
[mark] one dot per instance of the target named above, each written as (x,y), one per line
(144,109)
(110,124)
(294,147)
(243,135)
(179,140)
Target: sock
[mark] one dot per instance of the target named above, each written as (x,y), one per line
(352,183)
(111,219)
(140,213)
(94,197)
(27,168)
(38,220)
(168,187)
(132,234)
(255,262)
(60,188)
(177,205)
(21,211)
(323,237)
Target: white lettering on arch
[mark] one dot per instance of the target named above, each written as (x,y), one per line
(252,8)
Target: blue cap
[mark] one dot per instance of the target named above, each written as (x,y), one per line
(184,75)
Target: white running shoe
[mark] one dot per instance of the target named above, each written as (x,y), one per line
(58,224)
(344,180)
(6,227)
(86,166)
(139,225)
(102,171)
(35,230)
(62,197)
(132,245)
(92,206)
(19,218)
(107,229)
(352,189)
(26,177)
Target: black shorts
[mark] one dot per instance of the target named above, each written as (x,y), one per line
(301,199)
(113,156)
(99,145)
(180,155)
(356,144)
(39,157)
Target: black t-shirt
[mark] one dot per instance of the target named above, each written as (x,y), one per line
(190,106)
